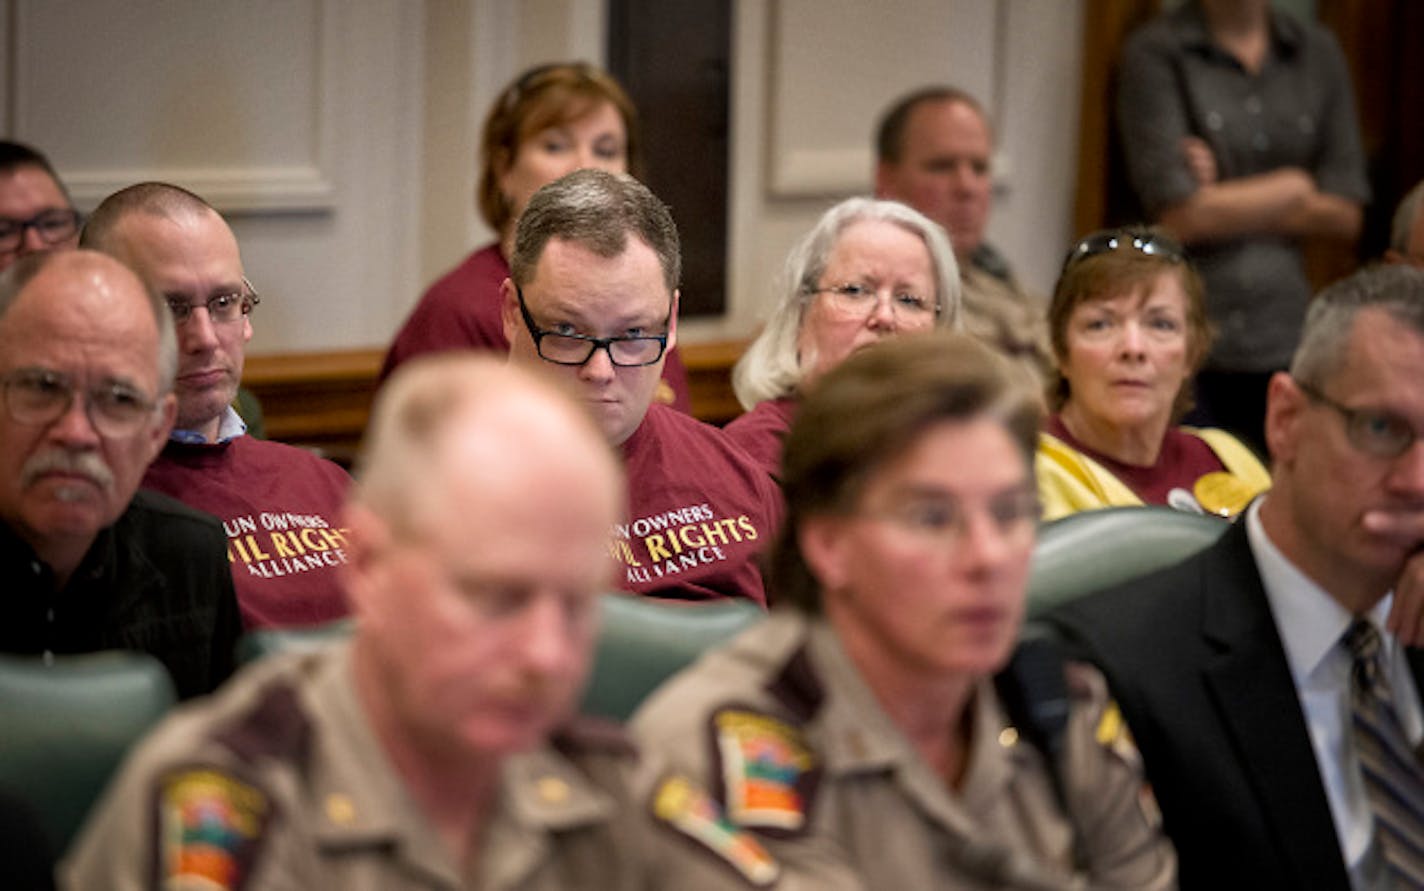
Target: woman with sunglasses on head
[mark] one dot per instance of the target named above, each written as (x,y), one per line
(1129,329)
(552,120)
(867,270)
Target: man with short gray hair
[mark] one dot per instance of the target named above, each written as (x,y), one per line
(592,296)
(1277,711)
(1406,232)
(86,378)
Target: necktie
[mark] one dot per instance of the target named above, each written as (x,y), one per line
(1394,778)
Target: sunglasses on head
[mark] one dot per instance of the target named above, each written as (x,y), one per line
(538,77)
(1146,241)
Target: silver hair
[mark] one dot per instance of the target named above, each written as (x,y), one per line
(1395,289)
(771,367)
(14,280)
(1404,218)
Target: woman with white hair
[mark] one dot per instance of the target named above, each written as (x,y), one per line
(867,270)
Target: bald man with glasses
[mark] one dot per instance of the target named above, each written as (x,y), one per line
(279,505)
(592,296)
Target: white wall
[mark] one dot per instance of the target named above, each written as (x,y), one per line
(811,78)
(299,119)
(340,135)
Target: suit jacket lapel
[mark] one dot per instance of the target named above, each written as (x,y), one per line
(1250,683)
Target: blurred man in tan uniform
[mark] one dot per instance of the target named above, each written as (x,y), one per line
(868,735)
(432,750)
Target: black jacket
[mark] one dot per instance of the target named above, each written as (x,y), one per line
(157,580)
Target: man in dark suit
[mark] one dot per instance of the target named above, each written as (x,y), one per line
(1232,669)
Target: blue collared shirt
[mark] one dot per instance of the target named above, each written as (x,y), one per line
(230,427)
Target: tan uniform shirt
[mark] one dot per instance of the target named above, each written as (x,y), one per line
(280,783)
(1002,315)
(792,748)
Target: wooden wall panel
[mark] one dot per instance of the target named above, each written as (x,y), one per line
(322,401)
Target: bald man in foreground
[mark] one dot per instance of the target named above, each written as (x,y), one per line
(434,749)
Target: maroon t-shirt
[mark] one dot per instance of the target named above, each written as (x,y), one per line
(762,431)
(462,311)
(281,508)
(701,511)
(1183,460)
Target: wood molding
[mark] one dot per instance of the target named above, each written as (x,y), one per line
(320,401)
(709,378)
(323,400)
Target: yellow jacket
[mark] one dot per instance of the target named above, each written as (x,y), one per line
(1069,481)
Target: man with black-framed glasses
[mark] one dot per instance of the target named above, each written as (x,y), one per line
(592,296)
(35,211)
(279,505)
(1269,680)
(89,562)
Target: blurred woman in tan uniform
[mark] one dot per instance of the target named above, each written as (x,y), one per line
(863,740)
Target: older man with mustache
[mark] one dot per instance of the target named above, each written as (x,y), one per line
(436,748)
(87,359)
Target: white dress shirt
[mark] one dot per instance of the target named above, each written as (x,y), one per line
(1311,623)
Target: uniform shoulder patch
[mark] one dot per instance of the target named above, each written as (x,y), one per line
(1112,733)
(211,826)
(768,773)
(687,808)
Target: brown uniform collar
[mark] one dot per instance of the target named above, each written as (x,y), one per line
(358,800)
(853,734)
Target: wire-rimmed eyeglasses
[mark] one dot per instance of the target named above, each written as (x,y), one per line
(1373,431)
(38,397)
(223,309)
(859,300)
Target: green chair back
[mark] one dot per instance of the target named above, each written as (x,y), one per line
(641,643)
(66,725)
(644,641)
(1096,549)
(270,641)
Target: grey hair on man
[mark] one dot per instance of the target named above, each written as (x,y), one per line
(1406,216)
(596,210)
(14,279)
(1397,290)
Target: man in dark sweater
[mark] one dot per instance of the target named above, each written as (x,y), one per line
(279,505)
(86,377)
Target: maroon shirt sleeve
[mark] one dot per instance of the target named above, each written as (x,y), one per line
(461,310)
(762,431)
